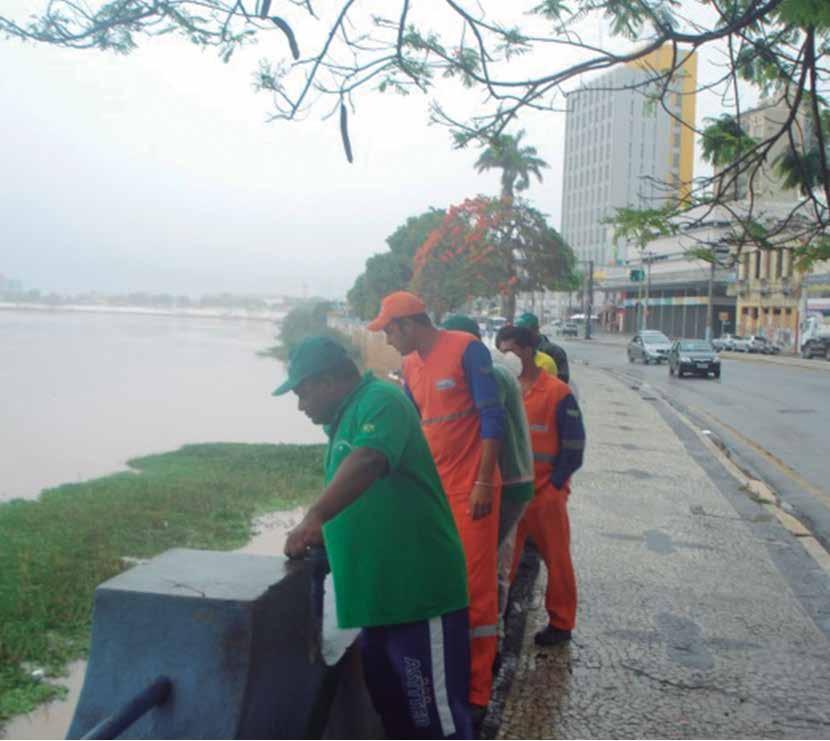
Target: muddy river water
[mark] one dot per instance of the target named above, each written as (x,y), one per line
(80,394)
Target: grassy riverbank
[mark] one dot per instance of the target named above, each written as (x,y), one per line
(55,550)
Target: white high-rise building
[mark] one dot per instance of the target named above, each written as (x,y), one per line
(622,149)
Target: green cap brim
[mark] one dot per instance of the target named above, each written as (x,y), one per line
(289,385)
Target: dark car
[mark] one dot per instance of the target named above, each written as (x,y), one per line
(697,357)
(649,346)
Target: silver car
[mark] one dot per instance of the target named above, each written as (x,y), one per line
(649,346)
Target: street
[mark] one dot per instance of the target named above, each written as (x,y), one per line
(774,418)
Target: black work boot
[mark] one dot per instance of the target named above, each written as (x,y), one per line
(551,636)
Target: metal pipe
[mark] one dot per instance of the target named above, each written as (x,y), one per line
(114,725)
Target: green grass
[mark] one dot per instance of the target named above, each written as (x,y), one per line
(55,550)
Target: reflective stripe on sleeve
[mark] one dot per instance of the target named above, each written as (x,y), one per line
(573,445)
(449,417)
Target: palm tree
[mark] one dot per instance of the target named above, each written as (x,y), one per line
(517,163)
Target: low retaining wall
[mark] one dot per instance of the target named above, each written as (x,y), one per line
(245,641)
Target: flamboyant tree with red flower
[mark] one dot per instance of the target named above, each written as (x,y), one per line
(488,247)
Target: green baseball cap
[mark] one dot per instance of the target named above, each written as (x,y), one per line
(531,321)
(461,323)
(312,356)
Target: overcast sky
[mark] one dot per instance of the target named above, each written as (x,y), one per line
(157,171)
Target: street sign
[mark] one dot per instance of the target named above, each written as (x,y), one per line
(637,275)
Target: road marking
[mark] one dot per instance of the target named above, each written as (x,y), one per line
(769,457)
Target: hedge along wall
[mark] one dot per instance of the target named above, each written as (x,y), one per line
(376,354)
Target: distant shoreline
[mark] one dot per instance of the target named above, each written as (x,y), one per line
(214,313)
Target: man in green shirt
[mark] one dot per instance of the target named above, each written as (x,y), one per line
(515,459)
(395,555)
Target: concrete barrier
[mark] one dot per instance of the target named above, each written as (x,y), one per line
(246,641)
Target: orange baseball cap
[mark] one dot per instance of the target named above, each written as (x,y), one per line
(396,306)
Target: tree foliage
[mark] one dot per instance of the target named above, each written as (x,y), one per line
(391,271)
(486,247)
(517,163)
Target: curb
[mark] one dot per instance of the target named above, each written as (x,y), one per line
(755,488)
(519,604)
(786,361)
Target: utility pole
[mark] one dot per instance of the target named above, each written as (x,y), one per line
(647,258)
(710,309)
(590,302)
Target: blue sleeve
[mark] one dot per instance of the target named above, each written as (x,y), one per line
(478,369)
(571,441)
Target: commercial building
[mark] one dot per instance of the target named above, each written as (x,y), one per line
(623,149)
(768,293)
(673,294)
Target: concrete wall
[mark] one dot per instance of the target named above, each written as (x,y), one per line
(245,640)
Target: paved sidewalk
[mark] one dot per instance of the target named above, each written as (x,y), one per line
(700,616)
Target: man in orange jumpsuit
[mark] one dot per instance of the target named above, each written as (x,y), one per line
(449,377)
(558,440)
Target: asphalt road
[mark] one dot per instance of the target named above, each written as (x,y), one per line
(776,419)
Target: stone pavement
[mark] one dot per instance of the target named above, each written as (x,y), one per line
(700,616)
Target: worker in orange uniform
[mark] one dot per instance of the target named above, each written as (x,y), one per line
(449,377)
(558,440)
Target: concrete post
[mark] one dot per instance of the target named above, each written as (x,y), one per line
(243,640)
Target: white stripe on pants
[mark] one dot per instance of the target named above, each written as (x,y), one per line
(439,676)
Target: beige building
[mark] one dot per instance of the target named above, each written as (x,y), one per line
(768,290)
(768,287)
(762,123)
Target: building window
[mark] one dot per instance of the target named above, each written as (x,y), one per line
(757,255)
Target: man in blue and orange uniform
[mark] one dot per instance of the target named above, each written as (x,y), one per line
(449,377)
(543,344)
(558,439)
(395,555)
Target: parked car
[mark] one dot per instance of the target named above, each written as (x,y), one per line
(816,347)
(649,346)
(739,344)
(721,343)
(697,357)
(758,344)
(569,329)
